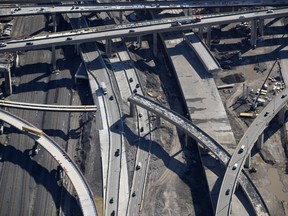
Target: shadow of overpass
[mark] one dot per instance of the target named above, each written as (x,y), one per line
(187,173)
(41,176)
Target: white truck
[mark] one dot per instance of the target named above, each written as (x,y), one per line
(103,87)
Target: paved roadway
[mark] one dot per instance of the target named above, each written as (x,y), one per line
(84,193)
(204,54)
(110,112)
(130,30)
(248,140)
(215,3)
(48,107)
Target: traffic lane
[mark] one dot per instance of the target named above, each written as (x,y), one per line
(76,38)
(143,154)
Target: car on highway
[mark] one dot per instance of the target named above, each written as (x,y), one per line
(197,19)
(113,213)
(131,30)
(69,38)
(111,97)
(235,166)
(111,200)
(266,114)
(283,96)
(138,166)
(3,44)
(241,17)
(176,24)
(29,43)
(270,11)
(117,153)
(134,194)
(241,149)
(227,192)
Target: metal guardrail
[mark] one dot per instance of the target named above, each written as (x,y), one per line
(48,107)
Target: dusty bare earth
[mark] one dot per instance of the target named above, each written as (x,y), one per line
(268,169)
(174,180)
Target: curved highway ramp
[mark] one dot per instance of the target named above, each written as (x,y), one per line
(85,195)
(205,140)
(249,138)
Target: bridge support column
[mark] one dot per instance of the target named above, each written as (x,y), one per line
(132,109)
(248,161)
(54,22)
(8,83)
(200,33)
(253,33)
(139,41)
(121,17)
(16,60)
(208,42)
(260,141)
(77,46)
(108,47)
(53,58)
(282,115)
(261,27)
(188,12)
(158,121)
(155,45)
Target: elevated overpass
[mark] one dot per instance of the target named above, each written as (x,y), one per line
(132,30)
(48,107)
(124,6)
(249,138)
(203,53)
(205,140)
(194,3)
(85,195)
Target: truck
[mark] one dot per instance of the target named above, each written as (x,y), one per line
(103,87)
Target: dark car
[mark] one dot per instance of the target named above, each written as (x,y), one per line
(266,114)
(134,194)
(227,192)
(29,43)
(111,200)
(117,153)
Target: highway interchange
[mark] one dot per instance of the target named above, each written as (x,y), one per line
(110,123)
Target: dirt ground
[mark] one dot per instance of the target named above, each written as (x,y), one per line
(268,167)
(174,186)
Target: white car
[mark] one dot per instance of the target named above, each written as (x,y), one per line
(235,166)
(270,11)
(3,44)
